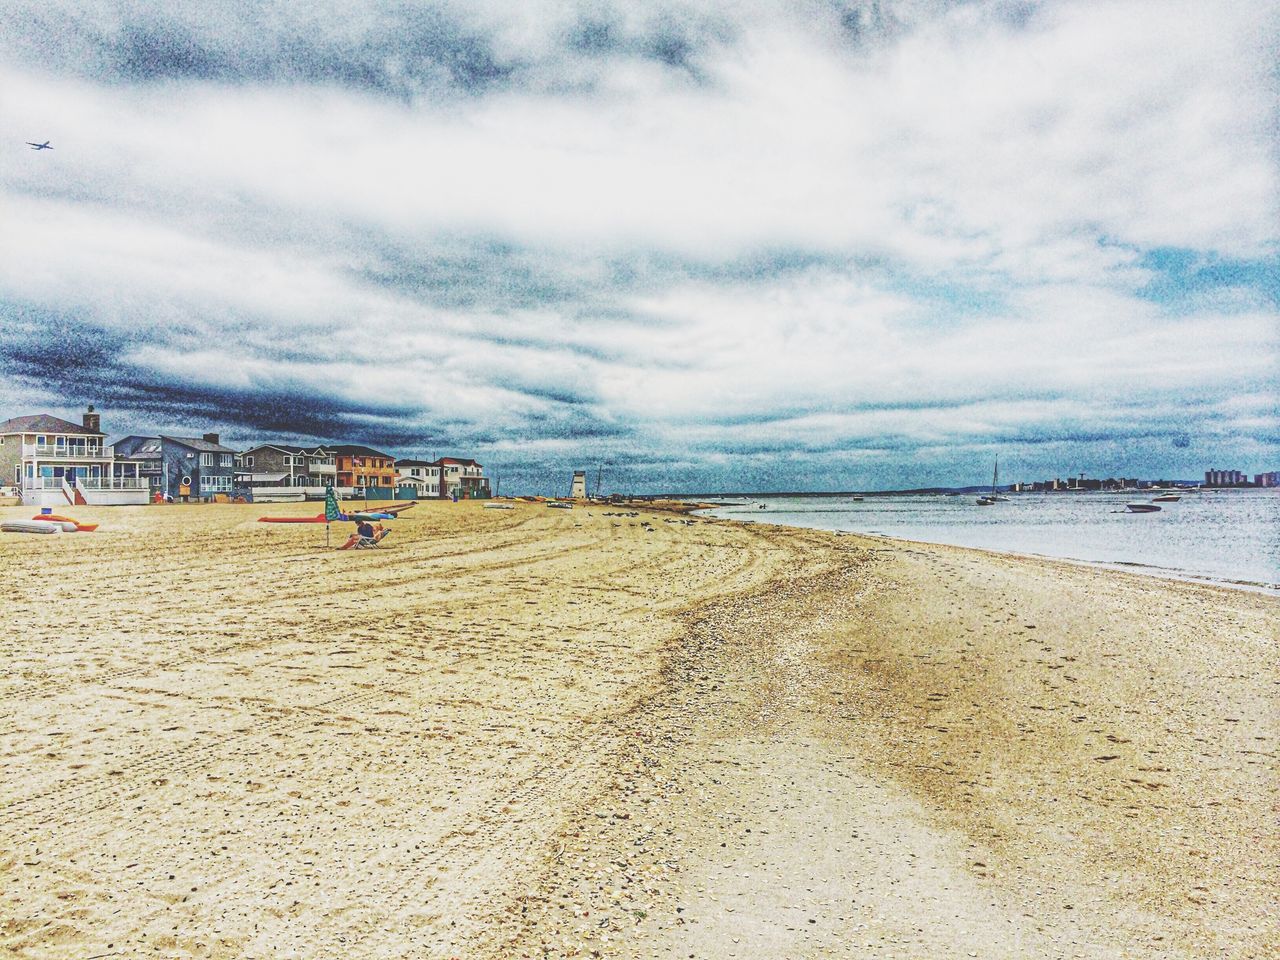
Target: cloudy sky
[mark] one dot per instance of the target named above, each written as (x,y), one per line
(816,244)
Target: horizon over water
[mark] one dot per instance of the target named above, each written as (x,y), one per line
(1227,537)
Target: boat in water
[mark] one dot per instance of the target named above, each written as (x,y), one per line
(1142,508)
(1166,498)
(992,498)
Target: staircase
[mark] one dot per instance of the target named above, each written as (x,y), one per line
(73,495)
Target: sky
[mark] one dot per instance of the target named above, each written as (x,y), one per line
(702,245)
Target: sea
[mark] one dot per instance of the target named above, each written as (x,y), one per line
(1229,537)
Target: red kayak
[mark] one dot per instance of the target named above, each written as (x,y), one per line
(318,518)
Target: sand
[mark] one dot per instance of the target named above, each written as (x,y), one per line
(569,733)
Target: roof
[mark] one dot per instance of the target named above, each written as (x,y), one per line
(464,461)
(195,443)
(356,450)
(46,423)
(147,447)
(416,463)
(294,451)
(261,477)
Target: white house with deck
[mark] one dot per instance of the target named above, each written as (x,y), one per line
(56,463)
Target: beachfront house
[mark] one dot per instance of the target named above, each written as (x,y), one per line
(462,477)
(422,475)
(444,478)
(183,468)
(55,463)
(367,471)
(281,465)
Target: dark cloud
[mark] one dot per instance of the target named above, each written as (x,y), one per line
(397,49)
(81,362)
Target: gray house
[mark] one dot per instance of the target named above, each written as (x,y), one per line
(183,468)
(281,465)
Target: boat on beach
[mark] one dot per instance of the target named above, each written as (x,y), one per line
(30,526)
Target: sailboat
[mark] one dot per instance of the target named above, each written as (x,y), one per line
(993,497)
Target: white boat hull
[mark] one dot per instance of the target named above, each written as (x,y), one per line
(30,526)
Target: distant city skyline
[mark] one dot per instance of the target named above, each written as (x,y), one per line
(826,244)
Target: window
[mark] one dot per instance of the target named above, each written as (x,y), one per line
(206,459)
(215,484)
(224,459)
(248,461)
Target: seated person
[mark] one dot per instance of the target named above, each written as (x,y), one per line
(366,535)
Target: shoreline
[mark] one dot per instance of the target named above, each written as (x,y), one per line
(1120,566)
(567,734)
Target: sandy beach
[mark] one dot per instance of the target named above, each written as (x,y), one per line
(545,733)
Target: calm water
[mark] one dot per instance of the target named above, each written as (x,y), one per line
(1225,536)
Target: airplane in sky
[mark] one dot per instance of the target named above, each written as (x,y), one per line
(39,146)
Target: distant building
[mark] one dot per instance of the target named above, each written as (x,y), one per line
(1267,479)
(55,463)
(464,477)
(578,491)
(1224,478)
(422,475)
(445,478)
(183,468)
(282,465)
(363,467)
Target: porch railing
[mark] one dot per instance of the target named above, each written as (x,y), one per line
(66,452)
(88,483)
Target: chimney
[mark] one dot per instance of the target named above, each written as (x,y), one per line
(210,438)
(92,421)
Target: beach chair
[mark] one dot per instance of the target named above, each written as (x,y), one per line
(357,542)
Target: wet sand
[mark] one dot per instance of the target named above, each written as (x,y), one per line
(562,733)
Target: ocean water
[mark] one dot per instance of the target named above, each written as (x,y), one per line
(1226,536)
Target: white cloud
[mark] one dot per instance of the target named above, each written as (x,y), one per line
(479,255)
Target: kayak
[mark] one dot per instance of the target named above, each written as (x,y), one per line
(318,518)
(370,516)
(30,526)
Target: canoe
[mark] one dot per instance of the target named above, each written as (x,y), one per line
(30,526)
(318,518)
(499,506)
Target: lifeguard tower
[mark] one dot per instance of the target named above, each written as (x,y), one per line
(579,489)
